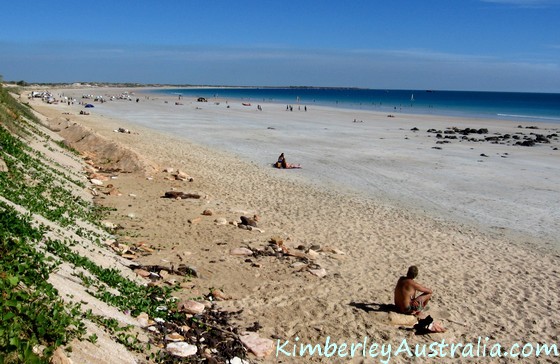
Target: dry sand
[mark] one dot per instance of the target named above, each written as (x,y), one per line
(483,230)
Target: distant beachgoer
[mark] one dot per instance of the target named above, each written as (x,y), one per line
(406,299)
(281,163)
(249,221)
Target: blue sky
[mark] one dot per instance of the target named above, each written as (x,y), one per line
(502,45)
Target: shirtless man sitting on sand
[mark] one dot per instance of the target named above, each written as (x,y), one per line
(405,293)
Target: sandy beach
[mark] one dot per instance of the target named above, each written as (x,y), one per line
(374,196)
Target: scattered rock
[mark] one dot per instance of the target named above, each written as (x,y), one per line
(98,177)
(59,357)
(39,349)
(113,192)
(164,274)
(319,272)
(196,220)
(219,295)
(207,212)
(261,347)
(221,221)
(299,265)
(191,307)
(174,337)
(143,319)
(181,349)
(328,249)
(241,251)
(3,166)
(237,360)
(142,273)
(312,254)
(96,182)
(400,319)
(108,225)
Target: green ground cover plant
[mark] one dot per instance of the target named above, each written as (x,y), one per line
(34,320)
(32,314)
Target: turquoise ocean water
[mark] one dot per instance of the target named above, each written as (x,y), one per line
(515,106)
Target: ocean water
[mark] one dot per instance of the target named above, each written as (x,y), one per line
(514,106)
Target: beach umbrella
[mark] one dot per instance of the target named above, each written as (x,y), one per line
(89,105)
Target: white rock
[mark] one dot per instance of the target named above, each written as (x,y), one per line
(399,319)
(108,225)
(3,166)
(321,272)
(241,251)
(237,360)
(181,349)
(261,347)
(313,254)
(143,319)
(191,307)
(96,182)
(220,221)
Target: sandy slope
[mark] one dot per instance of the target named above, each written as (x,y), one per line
(485,283)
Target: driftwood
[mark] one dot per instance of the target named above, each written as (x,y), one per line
(182,270)
(181,195)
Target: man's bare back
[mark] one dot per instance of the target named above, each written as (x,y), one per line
(406,298)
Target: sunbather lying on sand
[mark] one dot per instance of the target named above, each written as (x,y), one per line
(281,163)
(249,221)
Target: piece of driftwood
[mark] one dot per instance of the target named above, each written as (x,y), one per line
(182,270)
(180,195)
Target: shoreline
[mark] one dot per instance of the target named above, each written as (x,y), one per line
(484,284)
(435,107)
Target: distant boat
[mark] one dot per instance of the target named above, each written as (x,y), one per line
(412,97)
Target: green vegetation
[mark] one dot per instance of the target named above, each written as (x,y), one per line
(34,321)
(29,178)
(31,313)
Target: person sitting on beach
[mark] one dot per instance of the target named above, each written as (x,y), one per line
(405,293)
(281,163)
